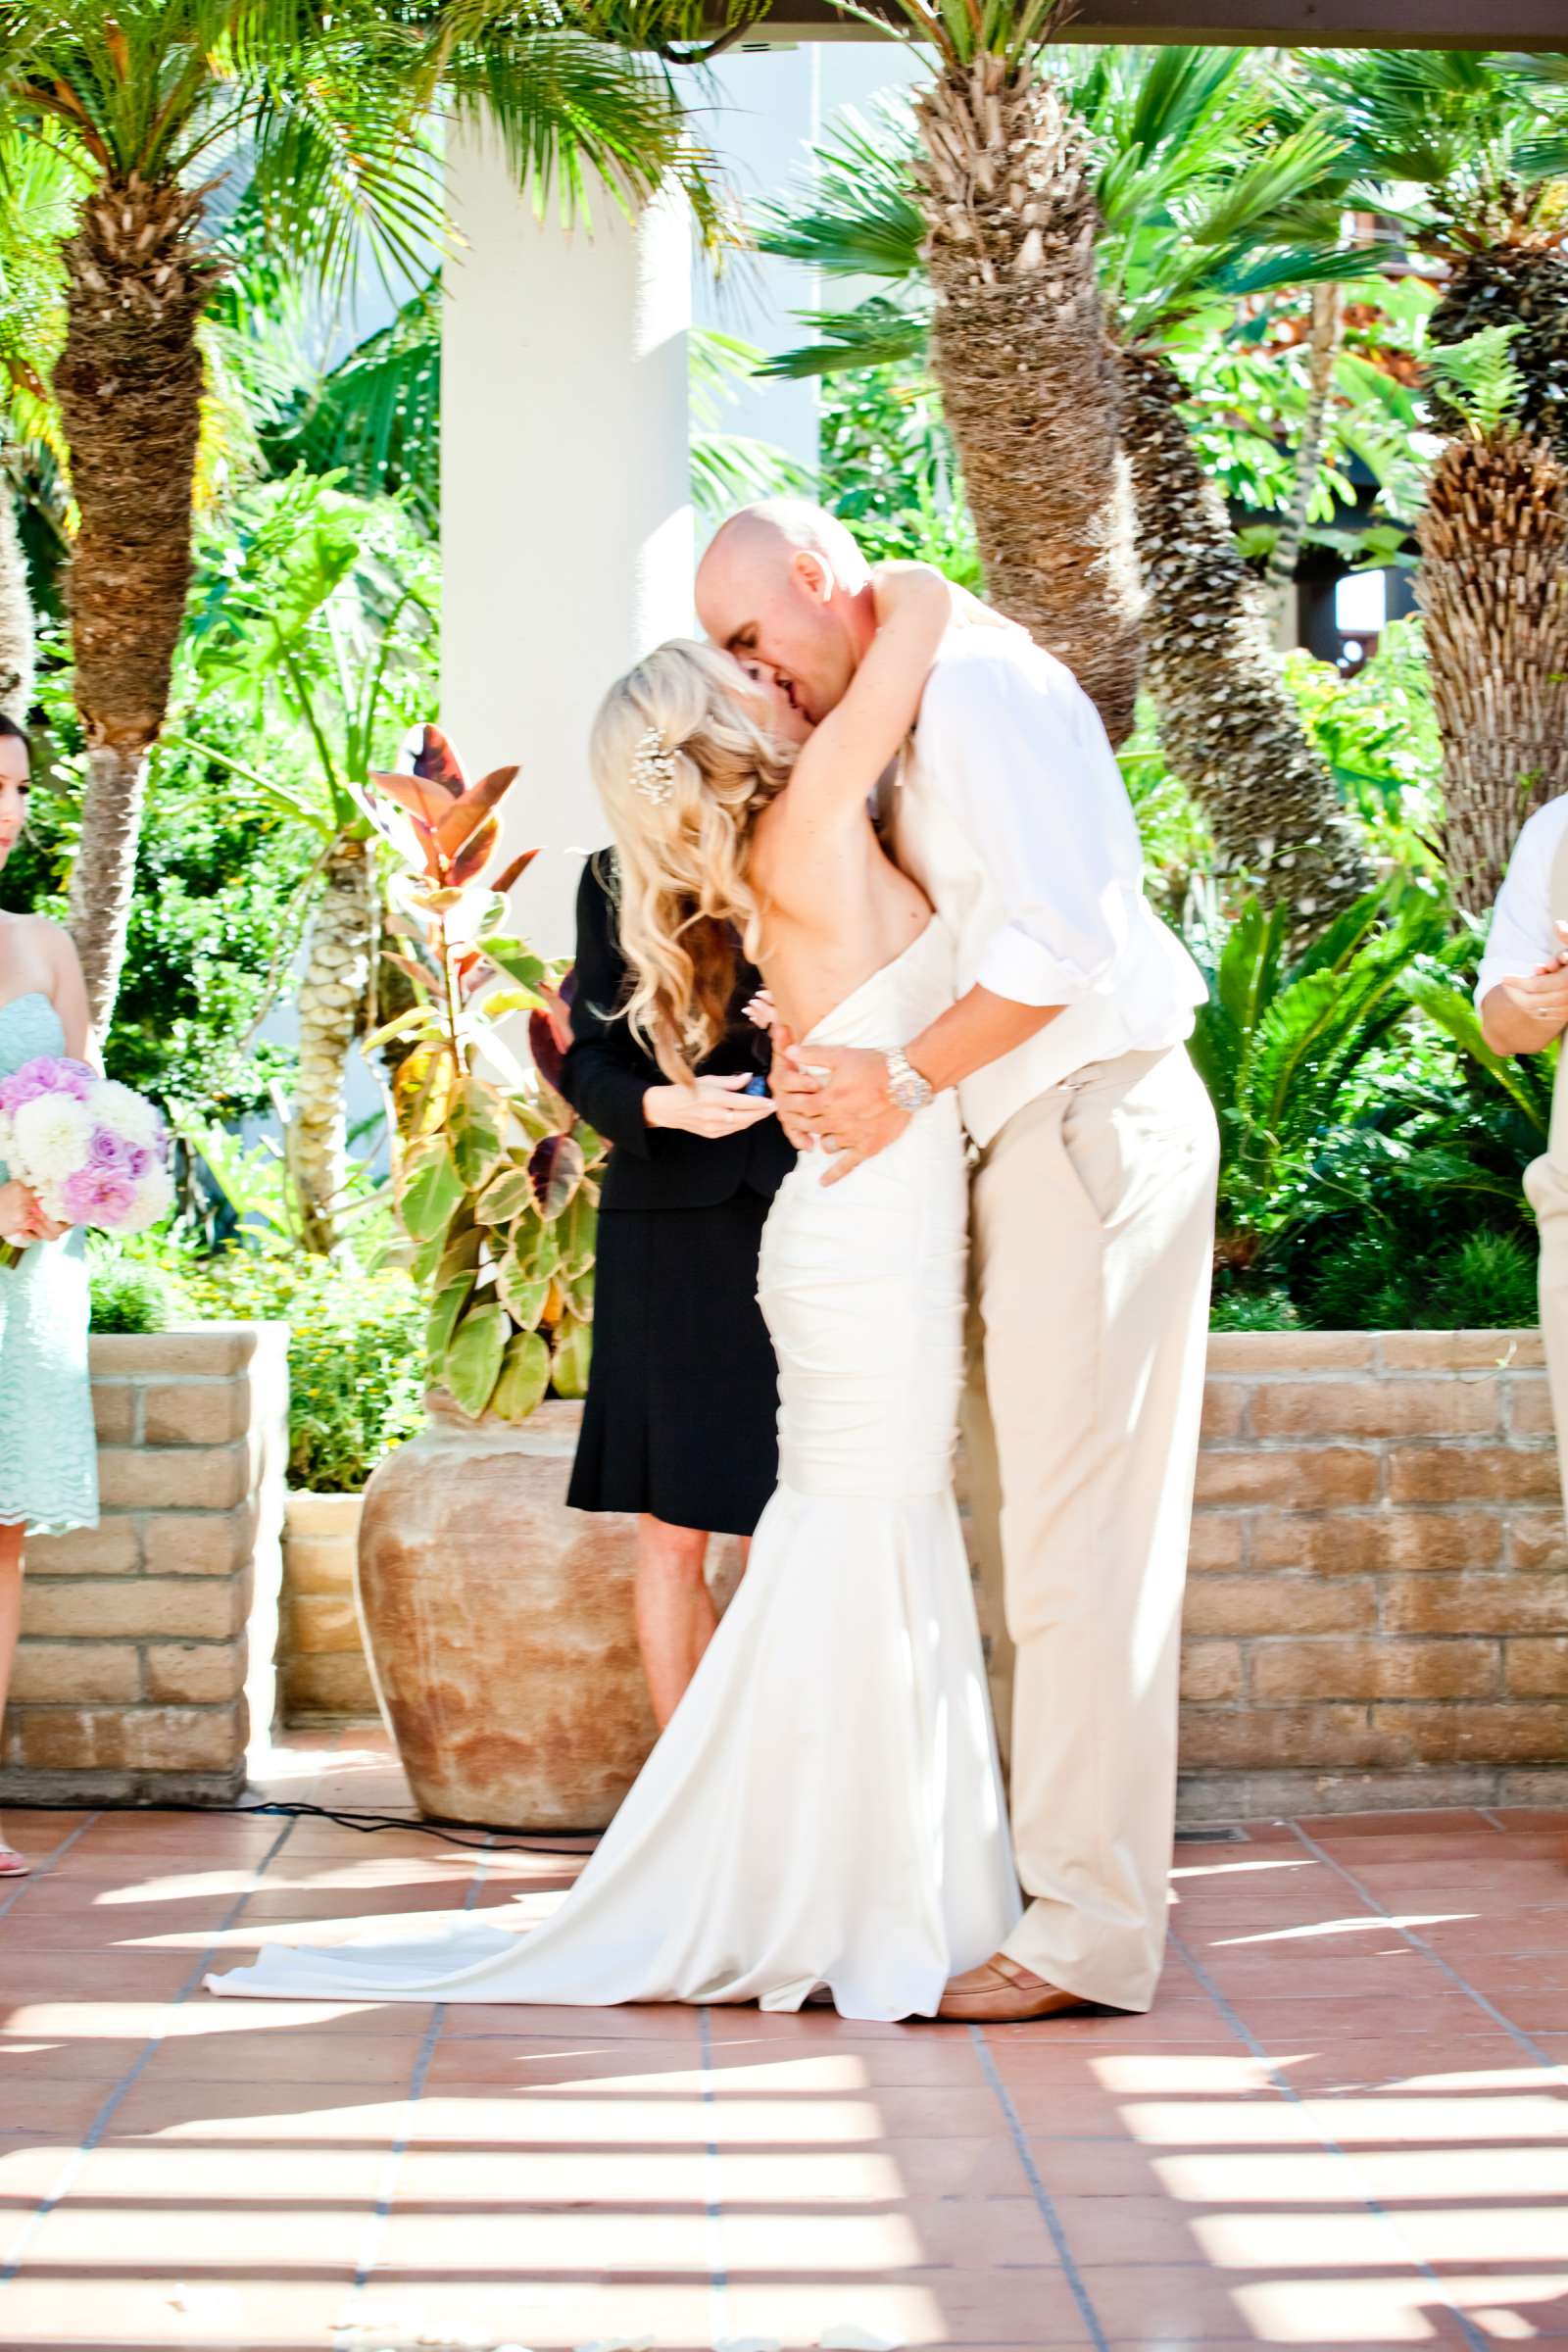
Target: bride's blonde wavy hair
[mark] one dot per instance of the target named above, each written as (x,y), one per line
(686,905)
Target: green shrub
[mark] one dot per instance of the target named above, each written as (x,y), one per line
(356,1354)
(1237,1310)
(1488,1279)
(131,1296)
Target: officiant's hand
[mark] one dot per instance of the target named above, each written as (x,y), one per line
(838,1096)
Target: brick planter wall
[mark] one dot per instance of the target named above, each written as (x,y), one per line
(1378,1609)
(322,1674)
(147,1644)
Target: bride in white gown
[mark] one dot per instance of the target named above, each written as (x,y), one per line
(824,1810)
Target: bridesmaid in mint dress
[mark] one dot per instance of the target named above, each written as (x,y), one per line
(48,1457)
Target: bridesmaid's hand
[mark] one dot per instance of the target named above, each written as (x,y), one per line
(712,1107)
(22,1221)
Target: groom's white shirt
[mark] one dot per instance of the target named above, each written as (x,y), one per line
(1011,814)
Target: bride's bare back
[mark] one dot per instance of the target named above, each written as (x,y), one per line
(835,908)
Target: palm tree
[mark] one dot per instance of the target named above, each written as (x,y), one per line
(1468,156)
(1205,203)
(1493,538)
(36,191)
(1004,181)
(167,109)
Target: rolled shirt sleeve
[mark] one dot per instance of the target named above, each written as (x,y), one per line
(1046,808)
(1522,935)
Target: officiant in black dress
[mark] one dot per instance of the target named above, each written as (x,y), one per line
(680,1421)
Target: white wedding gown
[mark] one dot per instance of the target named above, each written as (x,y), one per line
(825,1807)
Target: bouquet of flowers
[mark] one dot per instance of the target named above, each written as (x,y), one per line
(94,1153)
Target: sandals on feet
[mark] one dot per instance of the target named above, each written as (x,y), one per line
(12,1864)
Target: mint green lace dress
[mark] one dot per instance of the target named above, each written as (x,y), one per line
(48,1451)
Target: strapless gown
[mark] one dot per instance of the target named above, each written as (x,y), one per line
(824,1808)
(48,1446)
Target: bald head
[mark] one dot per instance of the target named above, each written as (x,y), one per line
(784,582)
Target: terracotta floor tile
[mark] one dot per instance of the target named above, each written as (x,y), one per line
(310,2059)
(921,2307)
(55,2309)
(584,2061)
(548,2316)
(661,2022)
(230,2243)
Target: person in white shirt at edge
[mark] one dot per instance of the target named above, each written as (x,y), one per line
(1522,987)
(1522,995)
(1092,1227)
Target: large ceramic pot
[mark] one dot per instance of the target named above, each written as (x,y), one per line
(499,1624)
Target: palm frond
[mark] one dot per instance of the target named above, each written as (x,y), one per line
(854,213)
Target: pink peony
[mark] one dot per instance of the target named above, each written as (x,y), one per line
(47,1074)
(102,1197)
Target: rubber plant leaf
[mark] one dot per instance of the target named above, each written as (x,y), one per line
(569,1359)
(475,1122)
(525,1377)
(522,1294)
(557,1171)
(431,1190)
(472,1362)
(477,803)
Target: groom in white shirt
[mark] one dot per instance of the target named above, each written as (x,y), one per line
(1092,1225)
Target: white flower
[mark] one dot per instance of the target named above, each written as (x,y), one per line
(50,1135)
(129,1113)
(154,1198)
(8,1141)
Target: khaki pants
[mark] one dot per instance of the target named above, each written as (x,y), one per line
(1093,1236)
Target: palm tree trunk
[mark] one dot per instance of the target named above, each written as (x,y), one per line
(1512,285)
(1323,349)
(1028,380)
(1493,586)
(16,612)
(339,959)
(1228,723)
(128,382)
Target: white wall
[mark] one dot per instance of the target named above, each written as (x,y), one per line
(566,515)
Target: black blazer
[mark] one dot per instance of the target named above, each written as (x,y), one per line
(608,1071)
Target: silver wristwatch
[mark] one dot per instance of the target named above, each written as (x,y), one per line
(908,1090)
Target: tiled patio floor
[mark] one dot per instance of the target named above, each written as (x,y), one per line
(1342,2125)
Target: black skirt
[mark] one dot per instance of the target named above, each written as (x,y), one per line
(682,1410)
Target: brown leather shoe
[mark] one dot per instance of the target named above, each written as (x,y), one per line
(1001,1993)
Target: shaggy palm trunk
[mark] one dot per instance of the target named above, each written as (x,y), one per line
(1229,726)
(1028,380)
(339,959)
(1494,587)
(1323,349)
(16,615)
(129,383)
(1512,285)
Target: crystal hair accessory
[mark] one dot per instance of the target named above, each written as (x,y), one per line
(652,767)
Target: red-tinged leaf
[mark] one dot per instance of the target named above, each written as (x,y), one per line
(511,873)
(559,1011)
(426,802)
(459,822)
(436,763)
(555,1170)
(476,851)
(410,969)
(549,1057)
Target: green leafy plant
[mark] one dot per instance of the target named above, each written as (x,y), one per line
(131,1295)
(1280,1044)
(494,1184)
(356,1386)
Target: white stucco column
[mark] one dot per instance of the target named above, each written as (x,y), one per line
(566,518)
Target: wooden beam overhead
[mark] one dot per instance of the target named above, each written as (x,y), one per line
(1541,25)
